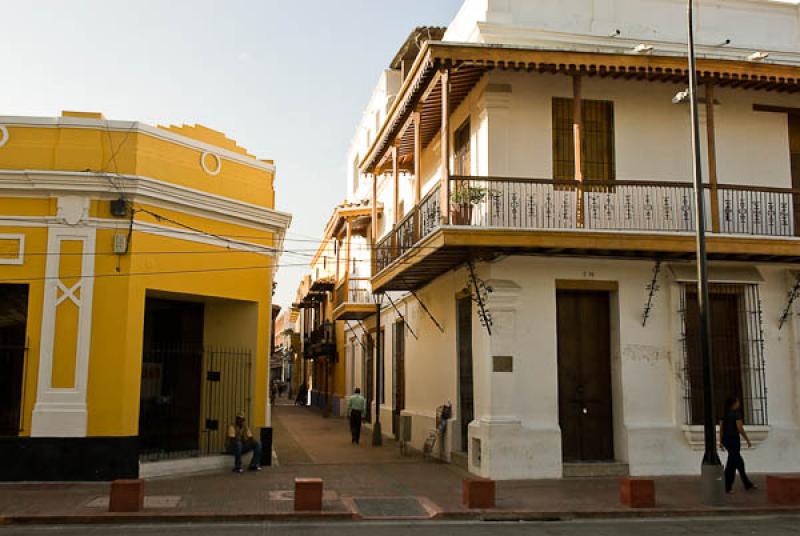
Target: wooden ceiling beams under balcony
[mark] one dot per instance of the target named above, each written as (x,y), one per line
(421,90)
(462,81)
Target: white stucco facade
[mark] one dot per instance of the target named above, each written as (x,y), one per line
(515,432)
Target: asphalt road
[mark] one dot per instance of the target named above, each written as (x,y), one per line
(730,526)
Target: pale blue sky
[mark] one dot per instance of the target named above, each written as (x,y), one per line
(287,79)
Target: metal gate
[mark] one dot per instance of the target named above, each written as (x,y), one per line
(189,396)
(227,390)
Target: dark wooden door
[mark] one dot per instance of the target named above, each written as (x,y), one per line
(369,376)
(398,374)
(466,395)
(794,150)
(584,375)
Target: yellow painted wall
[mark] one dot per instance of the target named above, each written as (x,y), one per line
(67,314)
(132,152)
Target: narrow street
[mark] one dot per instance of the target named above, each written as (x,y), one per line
(303,436)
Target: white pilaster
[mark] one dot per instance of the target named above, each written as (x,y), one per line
(62,412)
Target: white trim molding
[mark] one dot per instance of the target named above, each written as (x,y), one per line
(695,435)
(20,258)
(141,189)
(59,411)
(213,172)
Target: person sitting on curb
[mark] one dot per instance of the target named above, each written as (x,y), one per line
(241,441)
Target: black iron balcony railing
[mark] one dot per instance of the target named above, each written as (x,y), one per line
(620,205)
(323,334)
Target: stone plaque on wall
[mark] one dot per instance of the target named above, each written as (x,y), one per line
(503,363)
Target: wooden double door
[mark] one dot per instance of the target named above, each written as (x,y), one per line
(584,375)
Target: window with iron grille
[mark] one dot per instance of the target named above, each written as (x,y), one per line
(737,343)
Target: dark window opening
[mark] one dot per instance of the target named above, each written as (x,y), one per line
(13,351)
(461,150)
(597,144)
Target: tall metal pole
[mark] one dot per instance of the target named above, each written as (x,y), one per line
(711,469)
(377,435)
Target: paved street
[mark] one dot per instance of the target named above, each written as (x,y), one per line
(360,481)
(774,526)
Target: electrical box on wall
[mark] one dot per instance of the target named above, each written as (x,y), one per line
(119,208)
(121,243)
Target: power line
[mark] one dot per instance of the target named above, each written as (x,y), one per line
(164,272)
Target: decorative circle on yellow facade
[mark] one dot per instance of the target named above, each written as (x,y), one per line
(3,135)
(217,168)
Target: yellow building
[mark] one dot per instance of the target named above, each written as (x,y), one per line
(136,269)
(335,293)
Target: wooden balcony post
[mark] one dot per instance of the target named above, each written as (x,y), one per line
(444,192)
(373,239)
(349,227)
(338,247)
(417,118)
(396,184)
(577,137)
(712,157)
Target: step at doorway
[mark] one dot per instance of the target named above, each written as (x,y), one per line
(595,469)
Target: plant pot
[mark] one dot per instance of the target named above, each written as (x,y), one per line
(461,214)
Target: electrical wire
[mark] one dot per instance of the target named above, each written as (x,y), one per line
(162,272)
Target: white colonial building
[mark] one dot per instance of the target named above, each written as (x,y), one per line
(552,303)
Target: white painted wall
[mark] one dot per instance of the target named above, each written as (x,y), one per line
(764,25)
(516,414)
(651,133)
(367,129)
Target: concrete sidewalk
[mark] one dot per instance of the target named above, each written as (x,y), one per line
(360,482)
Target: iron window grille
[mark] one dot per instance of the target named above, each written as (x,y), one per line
(737,338)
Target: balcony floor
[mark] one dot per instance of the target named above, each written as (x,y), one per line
(450,246)
(353,311)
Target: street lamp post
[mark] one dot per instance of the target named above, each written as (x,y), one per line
(711,469)
(377,436)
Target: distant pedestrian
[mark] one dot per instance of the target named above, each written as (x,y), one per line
(730,428)
(356,405)
(302,393)
(273,392)
(241,441)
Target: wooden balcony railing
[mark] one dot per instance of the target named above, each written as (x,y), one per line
(621,205)
(353,290)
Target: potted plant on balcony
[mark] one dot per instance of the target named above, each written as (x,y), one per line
(462,200)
